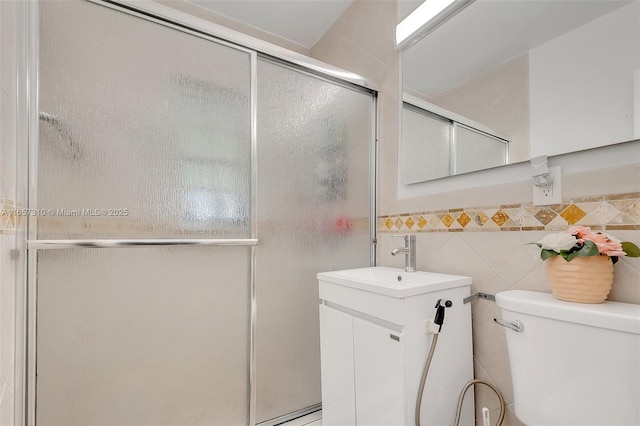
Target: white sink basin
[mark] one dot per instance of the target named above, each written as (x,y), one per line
(394,282)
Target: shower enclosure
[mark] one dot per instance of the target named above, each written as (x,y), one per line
(185,191)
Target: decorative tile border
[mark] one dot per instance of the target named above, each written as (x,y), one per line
(613,212)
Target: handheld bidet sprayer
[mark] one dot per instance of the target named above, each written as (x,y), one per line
(439,318)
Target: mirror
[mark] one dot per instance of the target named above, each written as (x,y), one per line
(549,77)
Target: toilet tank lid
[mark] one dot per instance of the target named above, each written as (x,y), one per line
(611,315)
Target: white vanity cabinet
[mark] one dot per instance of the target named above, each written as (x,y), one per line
(374,345)
(365,371)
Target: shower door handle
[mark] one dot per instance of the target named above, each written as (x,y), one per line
(112,243)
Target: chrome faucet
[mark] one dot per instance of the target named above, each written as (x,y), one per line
(409,251)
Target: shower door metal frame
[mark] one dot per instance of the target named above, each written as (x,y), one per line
(28,122)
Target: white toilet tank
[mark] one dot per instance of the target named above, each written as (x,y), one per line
(573,363)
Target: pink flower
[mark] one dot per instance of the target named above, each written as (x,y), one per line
(581,232)
(607,245)
(611,249)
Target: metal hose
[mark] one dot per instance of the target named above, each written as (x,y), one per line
(424,377)
(480,382)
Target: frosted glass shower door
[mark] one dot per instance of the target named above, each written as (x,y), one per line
(147,126)
(315,142)
(143,336)
(145,134)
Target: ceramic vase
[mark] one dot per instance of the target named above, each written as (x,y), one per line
(582,279)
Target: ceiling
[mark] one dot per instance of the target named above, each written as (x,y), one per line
(302,22)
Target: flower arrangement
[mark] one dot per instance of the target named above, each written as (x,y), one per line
(582,241)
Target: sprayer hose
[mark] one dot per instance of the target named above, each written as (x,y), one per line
(423,380)
(480,382)
(466,387)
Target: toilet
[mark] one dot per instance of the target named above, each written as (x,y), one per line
(572,363)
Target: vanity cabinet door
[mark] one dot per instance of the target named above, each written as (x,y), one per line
(336,354)
(379,375)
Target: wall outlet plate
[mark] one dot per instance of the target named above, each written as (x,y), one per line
(550,194)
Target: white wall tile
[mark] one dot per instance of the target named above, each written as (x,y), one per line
(536,280)
(506,253)
(626,281)
(484,396)
(456,256)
